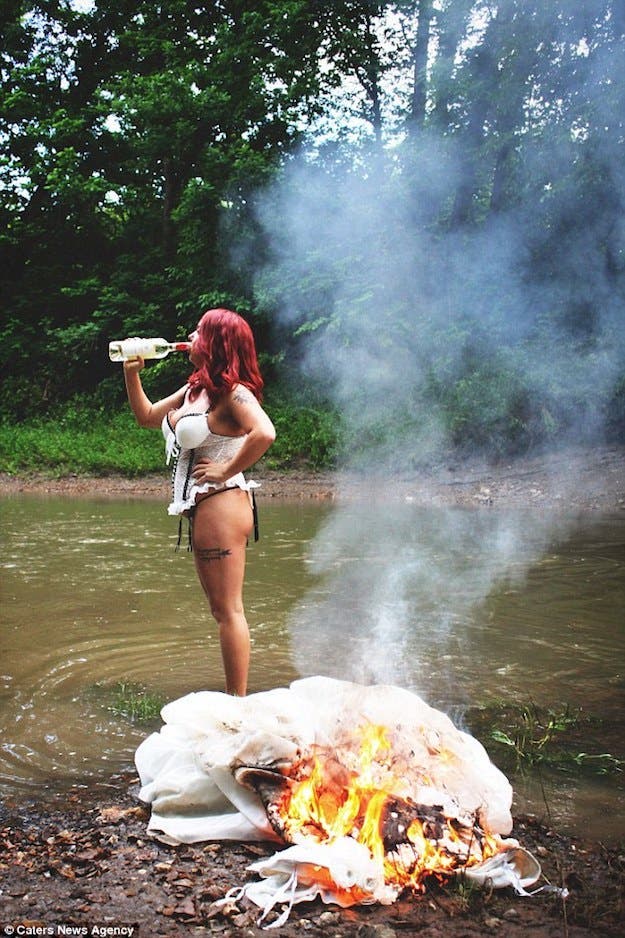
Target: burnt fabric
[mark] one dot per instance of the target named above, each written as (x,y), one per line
(189,769)
(371,787)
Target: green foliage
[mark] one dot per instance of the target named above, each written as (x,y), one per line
(533,736)
(535,733)
(99,435)
(138,143)
(305,436)
(484,409)
(80,440)
(470,895)
(130,700)
(130,132)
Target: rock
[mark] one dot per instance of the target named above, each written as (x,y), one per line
(185,909)
(213,891)
(244,919)
(376,931)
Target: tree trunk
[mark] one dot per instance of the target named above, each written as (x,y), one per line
(171,197)
(420,66)
(501,178)
(452,23)
(462,213)
(372,86)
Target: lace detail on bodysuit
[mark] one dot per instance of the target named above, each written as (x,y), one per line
(208,445)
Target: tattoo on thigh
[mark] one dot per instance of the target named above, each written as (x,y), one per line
(206,554)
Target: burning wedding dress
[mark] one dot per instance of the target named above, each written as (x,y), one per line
(373,789)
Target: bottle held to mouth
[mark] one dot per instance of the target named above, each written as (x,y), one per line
(123,350)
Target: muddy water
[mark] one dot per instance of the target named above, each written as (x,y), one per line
(462,607)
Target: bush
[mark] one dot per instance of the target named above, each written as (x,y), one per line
(80,441)
(304,436)
(87,437)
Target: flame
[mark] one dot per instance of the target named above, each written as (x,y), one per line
(353,792)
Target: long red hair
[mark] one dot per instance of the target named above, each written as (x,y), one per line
(226,344)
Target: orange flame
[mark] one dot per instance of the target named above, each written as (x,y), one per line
(361,798)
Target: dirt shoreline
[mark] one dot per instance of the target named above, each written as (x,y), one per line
(572,480)
(86,862)
(83,859)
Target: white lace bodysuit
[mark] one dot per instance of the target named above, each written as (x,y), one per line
(190,440)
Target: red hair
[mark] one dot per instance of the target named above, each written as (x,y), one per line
(226,344)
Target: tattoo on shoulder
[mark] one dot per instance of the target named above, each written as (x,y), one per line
(243,395)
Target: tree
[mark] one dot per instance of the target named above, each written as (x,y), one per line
(130,123)
(139,137)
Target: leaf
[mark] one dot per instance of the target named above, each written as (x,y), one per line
(500,737)
(114,815)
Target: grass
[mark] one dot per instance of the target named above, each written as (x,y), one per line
(308,435)
(91,441)
(529,736)
(131,701)
(94,445)
(470,895)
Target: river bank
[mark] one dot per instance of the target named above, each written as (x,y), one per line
(572,480)
(85,861)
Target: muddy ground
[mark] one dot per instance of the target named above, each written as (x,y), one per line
(571,480)
(85,860)
(82,863)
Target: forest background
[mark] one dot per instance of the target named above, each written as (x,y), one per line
(419,205)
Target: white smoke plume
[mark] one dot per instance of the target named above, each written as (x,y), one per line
(391,304)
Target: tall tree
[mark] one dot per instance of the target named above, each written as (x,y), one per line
(129,124)
(354,56)
(416,19)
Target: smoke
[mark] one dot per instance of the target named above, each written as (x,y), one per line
(413,329)
(400,592)
(409,327)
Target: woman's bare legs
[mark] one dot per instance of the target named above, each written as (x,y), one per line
(221,526)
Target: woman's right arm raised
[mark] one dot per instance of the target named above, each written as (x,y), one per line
(147,414)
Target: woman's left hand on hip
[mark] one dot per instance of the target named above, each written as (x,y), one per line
(205,470)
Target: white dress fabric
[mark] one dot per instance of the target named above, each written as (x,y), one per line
(188,769)
(195,773)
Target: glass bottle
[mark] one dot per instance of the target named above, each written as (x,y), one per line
(123,350)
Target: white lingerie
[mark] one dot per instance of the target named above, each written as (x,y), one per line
(190,440)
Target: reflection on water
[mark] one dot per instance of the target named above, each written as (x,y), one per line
(461,606)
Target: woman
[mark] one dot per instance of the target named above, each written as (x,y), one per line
(215,428)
